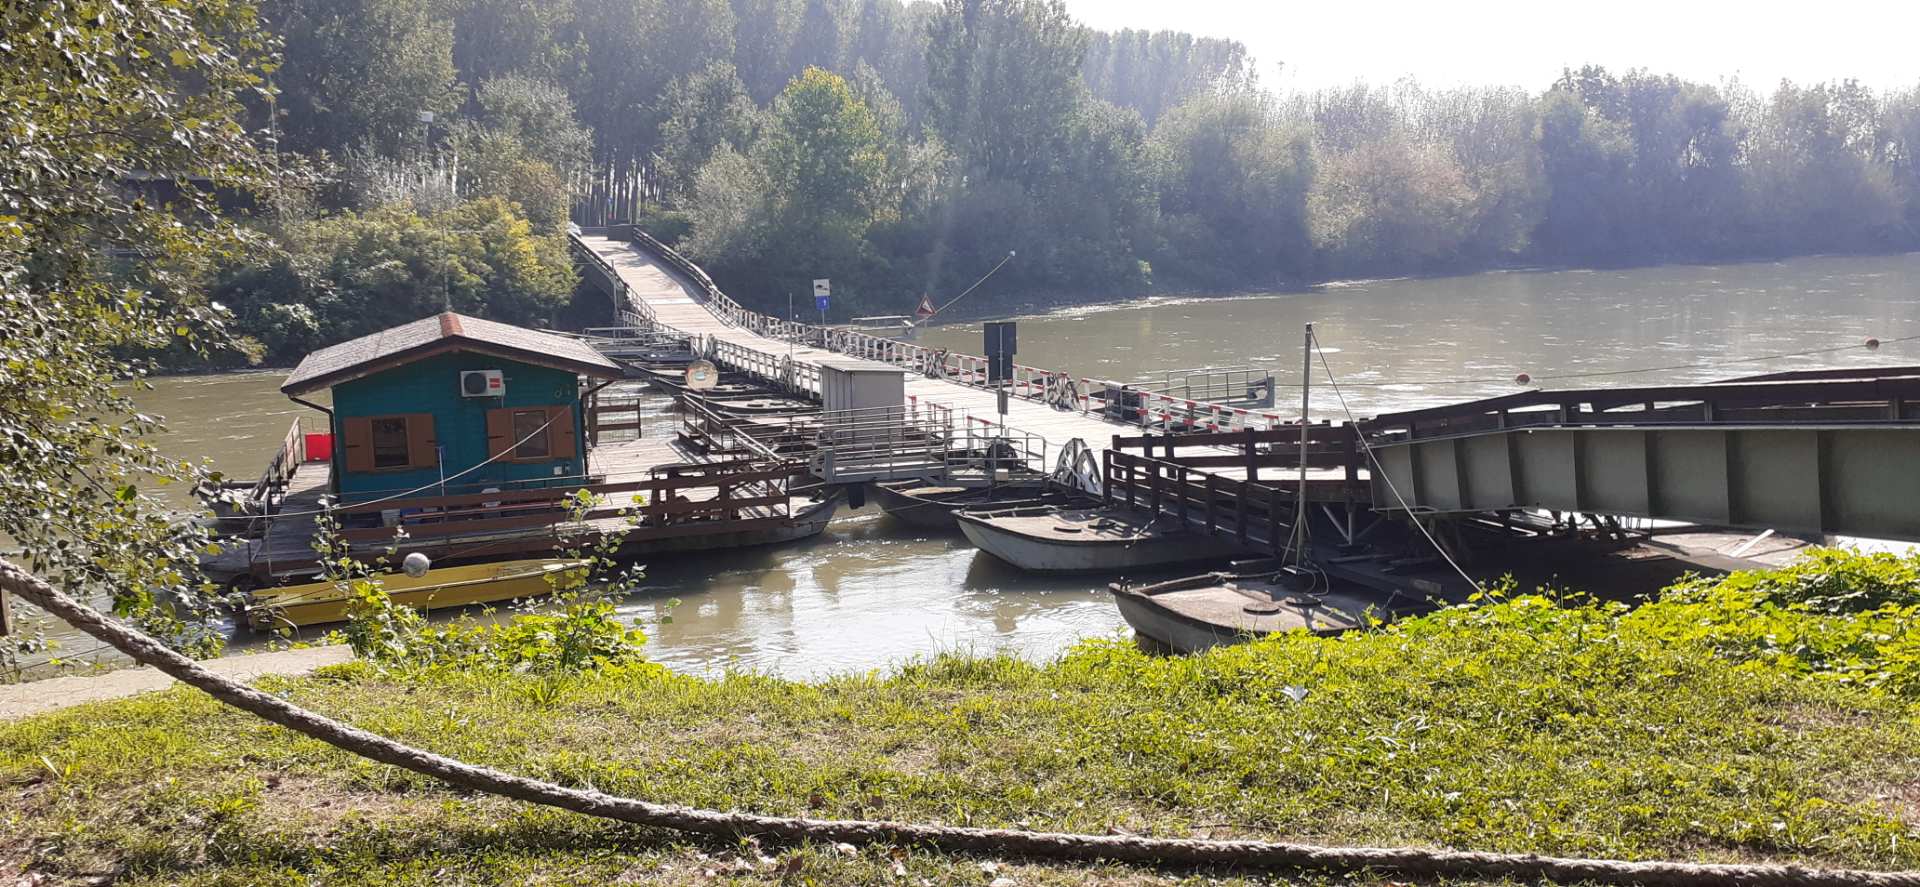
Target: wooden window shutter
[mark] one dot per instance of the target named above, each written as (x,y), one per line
(358,442)
(421,441)
(560,433)
(499,432)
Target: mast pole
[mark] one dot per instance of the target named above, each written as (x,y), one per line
(1300,495)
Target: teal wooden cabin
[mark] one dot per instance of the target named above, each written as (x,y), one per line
(453,403)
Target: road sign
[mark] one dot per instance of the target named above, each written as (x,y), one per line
(1000,347)
(820,304)
(822,288)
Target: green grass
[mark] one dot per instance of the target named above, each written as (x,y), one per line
(1751,719)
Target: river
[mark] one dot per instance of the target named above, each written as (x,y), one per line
(869,594)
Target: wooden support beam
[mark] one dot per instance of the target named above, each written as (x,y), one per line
(6,613)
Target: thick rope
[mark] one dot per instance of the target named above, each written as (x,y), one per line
(1407,862)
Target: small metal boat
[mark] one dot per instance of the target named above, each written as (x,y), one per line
(1063,539)
(315,603)
(1198,612)
(758,406)
(931,505)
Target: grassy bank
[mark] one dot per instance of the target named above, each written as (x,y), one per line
(1770,716)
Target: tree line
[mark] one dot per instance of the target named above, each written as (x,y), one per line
(903,149)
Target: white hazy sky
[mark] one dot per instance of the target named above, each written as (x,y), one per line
(1330,42)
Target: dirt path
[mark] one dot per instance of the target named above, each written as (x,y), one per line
(52,694)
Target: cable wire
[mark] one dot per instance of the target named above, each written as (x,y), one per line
(976,284)
(1381,470)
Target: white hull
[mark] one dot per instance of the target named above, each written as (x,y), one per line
(1041,555)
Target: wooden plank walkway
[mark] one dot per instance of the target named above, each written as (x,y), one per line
(675,303)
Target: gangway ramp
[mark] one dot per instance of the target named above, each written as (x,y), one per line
(653,285)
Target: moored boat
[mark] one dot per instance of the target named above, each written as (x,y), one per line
(765,405)
(315,603)
(1198,612)
(931,505)
(1064,539)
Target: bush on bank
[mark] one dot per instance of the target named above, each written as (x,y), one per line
(1767,715)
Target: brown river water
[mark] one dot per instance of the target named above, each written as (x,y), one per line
(870,594)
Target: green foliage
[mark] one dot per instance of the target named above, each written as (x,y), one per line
(1154,72)
(361,71)
(703,111)
(1233,180)
(582,636)
(1002,113)
(815,183)
(355,273)
(1834,615)
(571,629)
(120,131)
(1002,75)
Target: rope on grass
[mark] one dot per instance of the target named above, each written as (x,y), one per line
(1409,862)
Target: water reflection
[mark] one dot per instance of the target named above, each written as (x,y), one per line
(867,593)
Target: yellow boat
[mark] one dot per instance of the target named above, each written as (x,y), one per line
(314,603)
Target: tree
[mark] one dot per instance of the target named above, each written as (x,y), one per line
(1389,204)
(1232,182)
(763,36)
(120,127)
(1901,123)
(523,145)
(1154,72)
(497,38)
(361,70)
(539,115)
(825,156)
(823,37)
(352,274)
(804,200)
(634,49)
(1098,202)
(1816,183)
(1585,157)
(1003,80)
(891,39)
(1491,134)
(703,112)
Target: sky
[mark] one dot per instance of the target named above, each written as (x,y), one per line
(1443,43)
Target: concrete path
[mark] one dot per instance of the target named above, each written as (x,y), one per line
(52,694)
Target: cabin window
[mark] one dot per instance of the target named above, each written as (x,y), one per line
(532,434)
(391,444)
(531,429)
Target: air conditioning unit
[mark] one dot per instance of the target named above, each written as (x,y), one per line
(482,383)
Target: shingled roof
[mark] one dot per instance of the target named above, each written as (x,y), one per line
(438,334)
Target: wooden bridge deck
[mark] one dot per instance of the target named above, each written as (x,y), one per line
(675,303)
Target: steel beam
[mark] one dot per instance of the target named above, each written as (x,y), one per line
(1844,479)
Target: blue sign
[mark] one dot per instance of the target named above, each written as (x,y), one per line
(820,303)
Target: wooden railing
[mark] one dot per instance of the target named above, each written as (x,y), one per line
(1254,514)
(1328,446)
(280,469)
(669,496)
